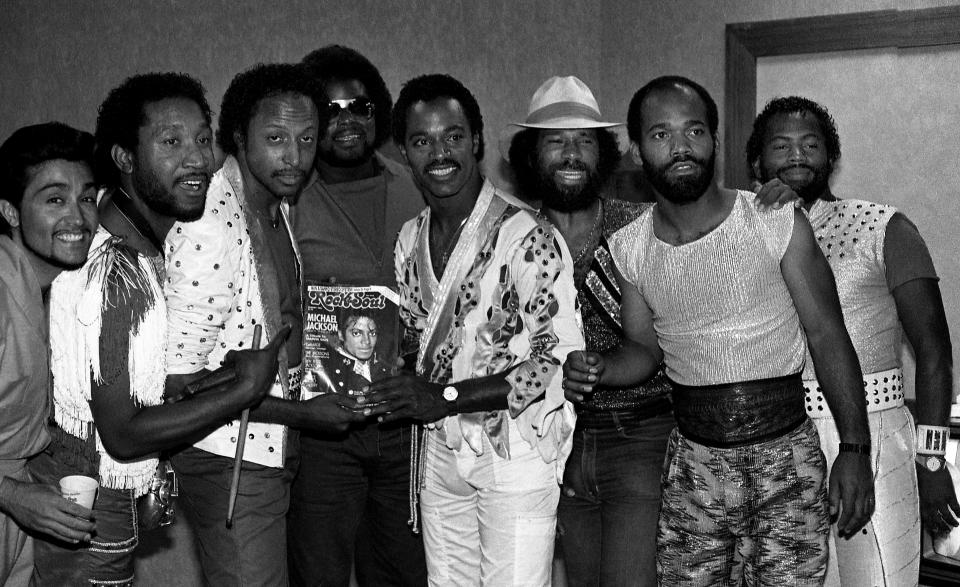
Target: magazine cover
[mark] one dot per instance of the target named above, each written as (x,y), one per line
(350,337)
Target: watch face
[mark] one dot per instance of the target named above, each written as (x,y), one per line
(450,393)
(934,464)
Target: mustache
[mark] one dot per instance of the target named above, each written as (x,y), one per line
(570,166)
(289,171)
(701,163)
(349,126)
(686,159)
(197,175)
(442,163)
(796,166)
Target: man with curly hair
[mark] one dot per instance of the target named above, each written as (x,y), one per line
(154,153)
(233,270)
(349,505)
(563,155)
(886,280)
(488,305)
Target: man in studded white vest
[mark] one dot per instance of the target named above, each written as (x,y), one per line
(886,280)
(235,268)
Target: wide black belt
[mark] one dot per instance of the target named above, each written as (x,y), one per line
(737,414)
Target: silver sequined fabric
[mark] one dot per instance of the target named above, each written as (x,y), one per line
(851,235)
(720,305)
(601,313)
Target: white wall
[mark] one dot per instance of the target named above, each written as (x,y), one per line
(898,116)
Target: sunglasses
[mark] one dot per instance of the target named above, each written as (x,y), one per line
(359,107)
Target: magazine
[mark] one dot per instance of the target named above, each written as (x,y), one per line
(350,337)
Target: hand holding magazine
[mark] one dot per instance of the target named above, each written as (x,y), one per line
(350,337)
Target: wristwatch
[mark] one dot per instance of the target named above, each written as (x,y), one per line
(932,463)
(450,394)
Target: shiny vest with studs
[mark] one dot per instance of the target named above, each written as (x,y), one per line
(851,234)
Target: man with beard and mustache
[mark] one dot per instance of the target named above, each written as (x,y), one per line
(235,269)
(724,289)
(48,213)
(488,305)
(563,156)
(154,153)
(886,280)
(349,501)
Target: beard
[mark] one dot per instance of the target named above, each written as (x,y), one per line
(333,158)
(568,198)
(682,190)
(52,257)
(149,188)
(808,191)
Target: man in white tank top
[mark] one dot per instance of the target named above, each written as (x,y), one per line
(728,292)
(887,285)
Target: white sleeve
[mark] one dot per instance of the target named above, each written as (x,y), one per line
(203,263)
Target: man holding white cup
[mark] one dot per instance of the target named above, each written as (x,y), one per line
(79,489)
(48,211)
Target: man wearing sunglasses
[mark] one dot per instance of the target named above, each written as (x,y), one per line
(349,503)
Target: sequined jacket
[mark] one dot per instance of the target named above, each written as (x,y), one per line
(220,285)
(599,297)
(505,304)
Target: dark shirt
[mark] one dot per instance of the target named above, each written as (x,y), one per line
(347,230)
(599,298)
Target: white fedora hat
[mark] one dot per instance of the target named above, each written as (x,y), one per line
(559,103)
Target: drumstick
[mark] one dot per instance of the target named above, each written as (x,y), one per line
(241,437)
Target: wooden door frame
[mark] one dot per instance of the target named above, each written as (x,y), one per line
(746,42)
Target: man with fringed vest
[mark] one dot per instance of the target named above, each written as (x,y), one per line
(153,152)
(488,303)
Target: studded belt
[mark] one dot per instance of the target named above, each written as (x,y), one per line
(738,414)
(884,390)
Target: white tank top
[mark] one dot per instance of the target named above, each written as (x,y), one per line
(721,309)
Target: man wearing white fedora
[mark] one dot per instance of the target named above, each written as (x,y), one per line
(563,154)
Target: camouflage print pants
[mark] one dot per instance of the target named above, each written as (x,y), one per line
(754,515)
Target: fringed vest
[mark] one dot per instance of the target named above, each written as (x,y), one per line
(77,304)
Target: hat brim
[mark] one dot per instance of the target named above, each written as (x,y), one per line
(565,123)
(506,137)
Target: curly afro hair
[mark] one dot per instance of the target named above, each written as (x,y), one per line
(338,63)
(123,113)
(248,88)
(427,88)
(792,105)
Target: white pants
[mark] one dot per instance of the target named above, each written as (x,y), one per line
(887,551)
(488,521)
